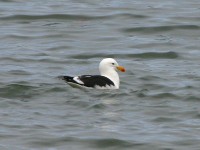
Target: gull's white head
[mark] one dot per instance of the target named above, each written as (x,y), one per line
(108,68)
(109,64)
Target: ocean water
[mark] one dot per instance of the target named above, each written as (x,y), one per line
(158,104)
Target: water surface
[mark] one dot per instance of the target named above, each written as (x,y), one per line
(157,105)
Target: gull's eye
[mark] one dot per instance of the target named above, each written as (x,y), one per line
(113,63)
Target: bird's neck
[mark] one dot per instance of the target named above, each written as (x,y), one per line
(113,76)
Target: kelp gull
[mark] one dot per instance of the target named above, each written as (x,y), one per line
(108,78)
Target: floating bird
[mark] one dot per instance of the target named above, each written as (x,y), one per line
(108,78)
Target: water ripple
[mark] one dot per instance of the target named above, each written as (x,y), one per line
(156,29)
(146,55)
(69,17)
(52,16)
(101,143)
(164,95)
(17,90)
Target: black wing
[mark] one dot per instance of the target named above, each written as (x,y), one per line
(95,80)
(89,80)
(68,79)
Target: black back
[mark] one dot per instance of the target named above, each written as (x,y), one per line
(95,80)
(89,80)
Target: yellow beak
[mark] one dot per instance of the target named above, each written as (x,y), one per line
(120,68)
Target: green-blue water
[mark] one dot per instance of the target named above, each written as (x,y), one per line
(158,104)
